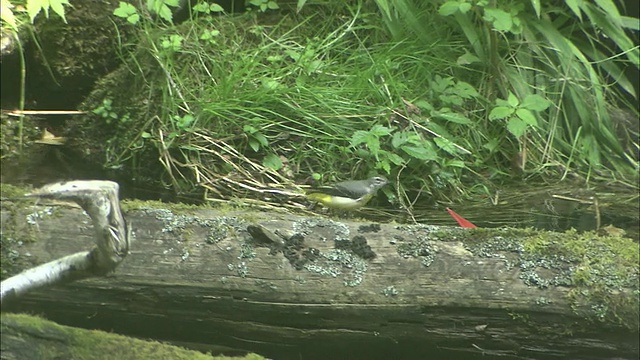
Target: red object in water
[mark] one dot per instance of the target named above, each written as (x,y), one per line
(461,221)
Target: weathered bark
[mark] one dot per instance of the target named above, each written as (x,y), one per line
(317,288)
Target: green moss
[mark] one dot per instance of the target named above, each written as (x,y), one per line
(74,343)
(604,272)
(133,204)
(601,271)
(15,193)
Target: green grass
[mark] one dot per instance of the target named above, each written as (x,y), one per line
(242,105)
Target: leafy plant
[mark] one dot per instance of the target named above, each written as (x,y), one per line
(34,7)
(571,73)
(256,138)
(128,12)
(519,115)
(207,8)
(368,144)
(185,122)
(210,35)
(264,5)
(6,14)
(106,112)
(172,42)
(163,8)
(572,54)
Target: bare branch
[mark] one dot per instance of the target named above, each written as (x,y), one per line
(112,234)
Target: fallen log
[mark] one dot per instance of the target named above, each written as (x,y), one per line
(287,286)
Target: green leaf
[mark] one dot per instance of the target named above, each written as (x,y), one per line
(58,8)
(313,66)
(368,138)
(424,105)
(165,13)
(630,23)
(491,145)
(395,158)
(535,102)
(379,130)
(611,9)
(454,117)
(440,130)
(300,5)
(455,163)
(359,137)
(536,7)
(35,6)
(254,144)
(420,152)
(384,165)
(398,139)
(7,14)
(448,8)
(133,19)
(500,19)
(612,28)
(293,54)
(612,69)
(451,99)
(466,90)
(186,121)
(200,7)
(590,149)
(573,5)
(502,102)
(464,7)
(261,139)
(527,116)
(441,84)
(512,100)
(124,10)
(249,129)
(383,6)
(445,145)
(475,36)
(374,145)
(467,58)
(216,8)
(500,112)
(272,161)
(516,126)
(270,84)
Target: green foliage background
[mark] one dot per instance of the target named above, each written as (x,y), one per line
(446,98)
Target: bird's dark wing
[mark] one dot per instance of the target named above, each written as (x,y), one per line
(343,189)
(347,188)
(330,190)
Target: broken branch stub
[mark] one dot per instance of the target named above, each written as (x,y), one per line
(112,234)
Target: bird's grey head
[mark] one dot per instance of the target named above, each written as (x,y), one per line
(377,182)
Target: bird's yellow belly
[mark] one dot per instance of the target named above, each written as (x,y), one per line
(339,202)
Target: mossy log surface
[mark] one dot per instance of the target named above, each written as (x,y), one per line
(324,288)
(31,337)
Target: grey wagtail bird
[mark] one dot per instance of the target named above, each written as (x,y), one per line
(347,195)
